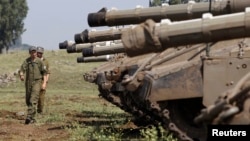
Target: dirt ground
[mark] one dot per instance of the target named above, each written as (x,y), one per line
(12,128)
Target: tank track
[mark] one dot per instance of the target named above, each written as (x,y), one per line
(156,113)
(155,116)
(168,123)
(128,106)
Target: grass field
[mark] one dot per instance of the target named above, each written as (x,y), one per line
(73,110)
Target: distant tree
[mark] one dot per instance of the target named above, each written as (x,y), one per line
(12,15)
(159,2)
(175,2)
(154,3)
(171,2)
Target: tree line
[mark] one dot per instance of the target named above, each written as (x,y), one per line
(12,15)
(171,2)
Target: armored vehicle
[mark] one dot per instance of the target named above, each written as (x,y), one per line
(179,72)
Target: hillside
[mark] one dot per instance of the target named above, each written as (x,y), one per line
(66,73)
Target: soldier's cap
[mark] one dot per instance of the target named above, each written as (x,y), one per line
(32,48)
(40,49)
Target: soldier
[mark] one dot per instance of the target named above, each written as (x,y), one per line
(34,71)
(40,51)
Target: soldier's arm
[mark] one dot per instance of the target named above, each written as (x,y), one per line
(44,82)
(22,70)
(47,78)
(48,72)
(44,73)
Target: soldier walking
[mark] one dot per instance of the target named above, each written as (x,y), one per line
(40,106)
(34,71)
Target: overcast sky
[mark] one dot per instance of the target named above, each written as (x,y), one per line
(50,22)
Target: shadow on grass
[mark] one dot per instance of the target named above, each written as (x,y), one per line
(90,118)
(108,123)
(89,114)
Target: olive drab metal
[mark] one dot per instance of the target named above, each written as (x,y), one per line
(184,70)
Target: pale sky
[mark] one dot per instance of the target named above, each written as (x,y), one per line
(50,22)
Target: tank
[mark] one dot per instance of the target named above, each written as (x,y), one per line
(183,74)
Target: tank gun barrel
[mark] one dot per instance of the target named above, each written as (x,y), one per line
(77,48)
(98,36)
(94,59)
(139,15)
(65,44)
(178,12)
(151,37)
(97,51)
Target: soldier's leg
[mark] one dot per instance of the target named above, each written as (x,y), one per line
(28,88)
(34,99)
(41,101)
(27,94)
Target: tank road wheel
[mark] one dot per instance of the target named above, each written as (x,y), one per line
(182,114)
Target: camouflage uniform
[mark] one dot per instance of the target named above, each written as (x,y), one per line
(43,91)
(34,71)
